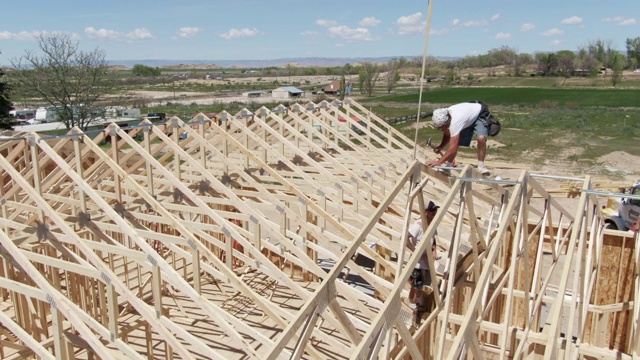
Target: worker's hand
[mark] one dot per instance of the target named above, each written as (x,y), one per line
(437,150)
(434,163)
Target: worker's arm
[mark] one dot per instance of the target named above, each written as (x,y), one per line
(445,140)
(451,152)
(410,242)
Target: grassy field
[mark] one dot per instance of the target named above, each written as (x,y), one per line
(544,97)
(570,126)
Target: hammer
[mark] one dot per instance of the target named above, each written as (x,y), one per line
(429,144)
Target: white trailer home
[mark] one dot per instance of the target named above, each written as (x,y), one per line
(48,114)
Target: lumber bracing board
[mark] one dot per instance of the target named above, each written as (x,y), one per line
(280,233)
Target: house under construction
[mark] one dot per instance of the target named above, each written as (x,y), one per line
(232,237)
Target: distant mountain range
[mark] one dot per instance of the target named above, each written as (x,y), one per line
(308,61)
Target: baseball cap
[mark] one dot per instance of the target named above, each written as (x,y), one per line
(431,206)
(440,117)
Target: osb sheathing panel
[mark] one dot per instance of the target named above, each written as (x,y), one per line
(614,285)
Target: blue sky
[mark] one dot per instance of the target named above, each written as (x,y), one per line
(263,30)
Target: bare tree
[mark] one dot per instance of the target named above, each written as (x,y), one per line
(587,61)
(369,74)
(72,81)
(393,74)
(566,62)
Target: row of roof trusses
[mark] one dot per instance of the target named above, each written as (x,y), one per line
(119,190)
(298,183)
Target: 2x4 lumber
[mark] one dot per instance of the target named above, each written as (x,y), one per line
(451,266)
(346,157)
(390,129)
(578,290)
(207,211)
(552,326)
(347,171)
(326,288)
(518,237)
(313,206)
(107,273)
(25,337)
(494,249)
(59,303)
(303,175)
(378,322)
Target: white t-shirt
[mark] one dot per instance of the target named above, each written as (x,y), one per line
(463,115)
(416,232)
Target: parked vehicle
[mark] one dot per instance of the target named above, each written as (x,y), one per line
(156,116)
(623,213)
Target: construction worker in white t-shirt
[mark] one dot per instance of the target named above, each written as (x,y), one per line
(458,123)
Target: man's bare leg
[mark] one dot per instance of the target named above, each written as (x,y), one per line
(482,147)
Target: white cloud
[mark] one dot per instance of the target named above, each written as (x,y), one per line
(527,27)
(187,32)
(32,35)
(495,17)
(455,22)
(351,35)
(442,31)
(556,42)
(106,34)
(474,23)
(23,35)
(574,20)
(502,35)
(369,22)
(552,32)
(410,25)
(326,23)
(140,34)
(310,33)
(627,22)
(238,33)
(620,20)
(94,33)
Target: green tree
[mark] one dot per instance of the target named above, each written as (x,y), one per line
(73,81)
(617,66)
(145,71)
(5,104)
(310,71)
(633,51)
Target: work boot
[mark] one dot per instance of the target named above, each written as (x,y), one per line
(484,171)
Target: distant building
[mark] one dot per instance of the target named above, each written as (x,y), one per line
(48,114)
(24,114)
(333,88)
(287,92)
(253,94)
(113,112)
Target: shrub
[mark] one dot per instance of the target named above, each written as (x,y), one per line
(548,104)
